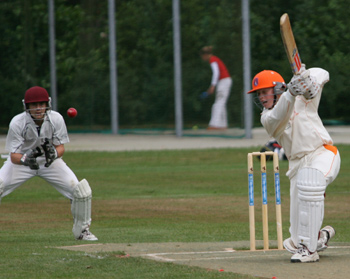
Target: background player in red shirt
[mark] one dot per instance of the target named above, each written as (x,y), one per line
(221,81)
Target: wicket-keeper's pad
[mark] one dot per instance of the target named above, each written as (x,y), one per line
(311,185)
(81,207)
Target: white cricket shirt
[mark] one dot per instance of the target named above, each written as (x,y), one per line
(25,134)
(294,121)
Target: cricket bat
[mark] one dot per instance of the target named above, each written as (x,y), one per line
(289,43)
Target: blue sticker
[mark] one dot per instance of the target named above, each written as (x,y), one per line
(264,188)
(251,189)
(277,188)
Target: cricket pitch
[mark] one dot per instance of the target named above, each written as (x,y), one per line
(230,257)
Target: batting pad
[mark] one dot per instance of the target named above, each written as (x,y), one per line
(311,185)
(81,207)
(2,187)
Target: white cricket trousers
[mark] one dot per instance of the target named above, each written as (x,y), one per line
(218,110)
(323,160)
(58,174)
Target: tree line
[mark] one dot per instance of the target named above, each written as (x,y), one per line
(145,55)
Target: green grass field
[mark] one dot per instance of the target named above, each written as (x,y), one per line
(150,196)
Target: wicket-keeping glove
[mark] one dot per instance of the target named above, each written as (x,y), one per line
(50,152)
(29,158)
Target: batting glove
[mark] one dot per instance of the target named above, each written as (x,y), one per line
(302,69)
(303,84)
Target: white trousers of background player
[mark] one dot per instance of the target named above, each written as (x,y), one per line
(218,110)
(62,178)
(328,164)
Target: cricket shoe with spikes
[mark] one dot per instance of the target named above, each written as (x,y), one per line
(87,235)
(304,256)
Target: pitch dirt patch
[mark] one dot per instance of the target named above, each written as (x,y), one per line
(229,257)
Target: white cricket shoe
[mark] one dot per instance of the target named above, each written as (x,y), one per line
(304,256)
(322,244)
(326,234)
(87,235)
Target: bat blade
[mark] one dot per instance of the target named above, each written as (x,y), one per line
(289,43)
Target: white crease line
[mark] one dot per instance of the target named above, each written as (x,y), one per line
(192,253)
(159,256)
(82,245)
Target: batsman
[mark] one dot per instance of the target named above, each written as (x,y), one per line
(35,142)
(290,115)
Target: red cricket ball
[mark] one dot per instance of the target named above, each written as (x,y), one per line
(72,112)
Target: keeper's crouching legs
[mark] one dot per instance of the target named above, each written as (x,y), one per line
(81,211)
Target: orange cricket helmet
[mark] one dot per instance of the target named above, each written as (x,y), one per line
(266,79)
